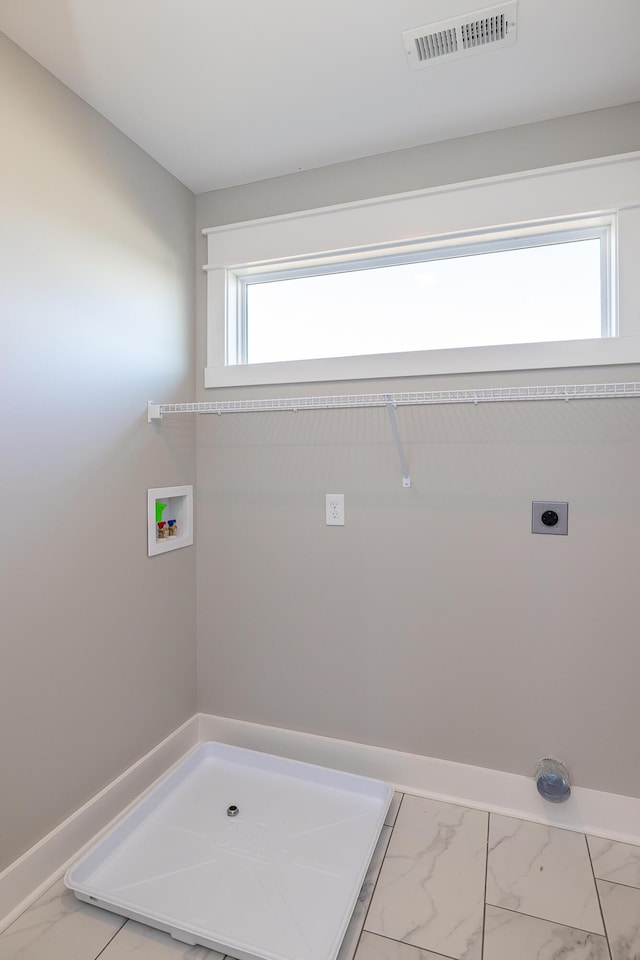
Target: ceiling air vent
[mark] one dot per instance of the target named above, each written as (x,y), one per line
(449,39)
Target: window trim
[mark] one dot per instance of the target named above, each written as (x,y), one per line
(425,250)
(549,196)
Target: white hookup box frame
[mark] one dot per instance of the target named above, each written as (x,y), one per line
(179,502)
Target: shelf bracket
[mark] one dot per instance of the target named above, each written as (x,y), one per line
(154,411)
(406,479)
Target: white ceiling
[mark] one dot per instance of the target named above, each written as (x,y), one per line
(223,92)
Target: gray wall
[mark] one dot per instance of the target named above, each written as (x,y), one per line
(97,656)
(531,146)
(434,621)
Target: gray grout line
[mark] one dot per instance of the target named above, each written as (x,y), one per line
(395,819)
(111,939)
(615,883)
(556,923)
(410,946)
(595,883)
(484,895)
(357,947)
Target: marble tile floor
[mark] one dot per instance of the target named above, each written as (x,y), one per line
(445,883)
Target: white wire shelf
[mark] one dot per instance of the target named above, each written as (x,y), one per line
(566,392)
(572,391)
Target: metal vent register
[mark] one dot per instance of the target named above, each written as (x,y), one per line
(483,30)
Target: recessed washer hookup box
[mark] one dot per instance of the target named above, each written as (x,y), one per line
(252,855)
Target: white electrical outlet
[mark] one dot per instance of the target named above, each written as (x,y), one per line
(335,509)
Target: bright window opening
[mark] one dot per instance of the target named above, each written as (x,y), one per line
(511,291)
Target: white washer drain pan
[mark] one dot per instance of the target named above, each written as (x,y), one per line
(278,881)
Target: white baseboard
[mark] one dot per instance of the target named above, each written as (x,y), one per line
(588,811)
(27,878)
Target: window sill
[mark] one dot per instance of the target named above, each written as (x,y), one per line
(527,356)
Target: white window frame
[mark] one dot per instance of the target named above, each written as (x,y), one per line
(423,251)
(600,194)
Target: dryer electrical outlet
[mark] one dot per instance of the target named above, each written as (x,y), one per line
(550,516)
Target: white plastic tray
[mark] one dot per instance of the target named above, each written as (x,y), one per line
(278,881)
